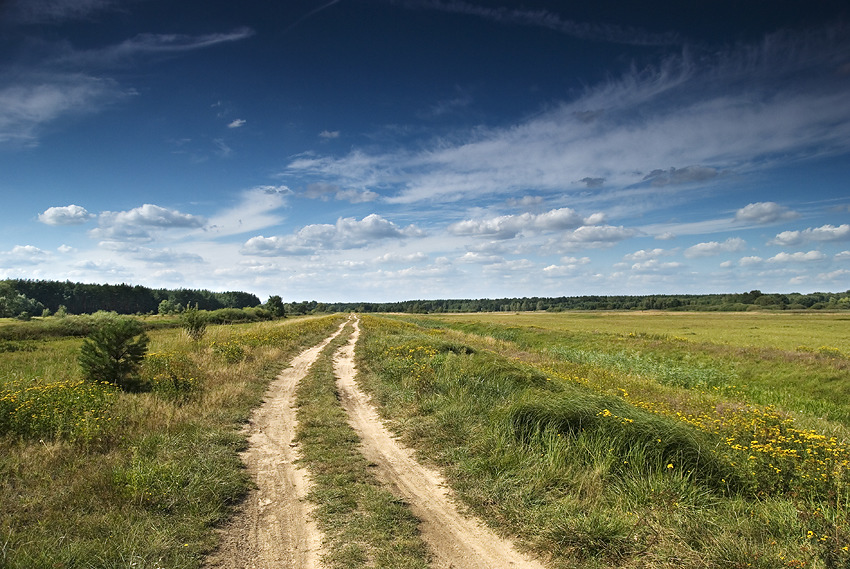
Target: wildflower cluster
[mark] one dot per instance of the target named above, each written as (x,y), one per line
(606,413)
(231,351)
(74,410)
(412,363)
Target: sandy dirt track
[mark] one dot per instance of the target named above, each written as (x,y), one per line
(456,541)
(274,528)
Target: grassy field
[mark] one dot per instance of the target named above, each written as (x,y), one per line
(94,477)
(599,439)
(612,440)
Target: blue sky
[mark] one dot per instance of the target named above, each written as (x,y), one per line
(381,150)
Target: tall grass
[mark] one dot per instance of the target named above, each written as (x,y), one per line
(147,486)
(600,467)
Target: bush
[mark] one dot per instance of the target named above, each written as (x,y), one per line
(194,322)
(114,351)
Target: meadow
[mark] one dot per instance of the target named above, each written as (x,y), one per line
(91,476)
(616,439)
(632,440)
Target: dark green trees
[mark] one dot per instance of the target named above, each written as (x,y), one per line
(114,352)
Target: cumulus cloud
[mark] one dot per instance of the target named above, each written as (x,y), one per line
(842,256)
(599,235)
(656,266)
(822,233)
(798,257)
(402,258)
(764,212)
(710,248)
(347,233)
(136,224)
(750,261)
(65,215)
(25,255)
(645,255)
(509,226)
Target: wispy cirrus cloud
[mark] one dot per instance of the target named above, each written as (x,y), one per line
(652,132)
(148,44)
(549,20)
(33,100)
(55,11)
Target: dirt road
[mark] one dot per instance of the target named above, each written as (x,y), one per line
(456,541)
(274,529)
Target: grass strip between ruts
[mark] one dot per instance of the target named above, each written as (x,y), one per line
(364,524)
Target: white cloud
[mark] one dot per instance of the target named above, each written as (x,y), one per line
(682,113)
(750,261)
(137,224)
(65,215)
(644,255)
(254,211)
(509,226)
(842,256)
(329,134)
(347,233)
(150,44)
(599,235)
(710,248)
(656,266)
(39,99)
(25,255)
(798,257)
(474,257)
(764,212)
(236,123)
(402,258)
(822,233)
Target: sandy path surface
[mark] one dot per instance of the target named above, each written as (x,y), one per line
(456,541)
(274,528)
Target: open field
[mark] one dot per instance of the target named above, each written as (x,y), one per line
(593,440)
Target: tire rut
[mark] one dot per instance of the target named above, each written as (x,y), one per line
(456,541)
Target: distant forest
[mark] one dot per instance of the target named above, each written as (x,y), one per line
(36,298)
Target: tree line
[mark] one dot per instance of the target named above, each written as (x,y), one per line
(37,297)
(753,300)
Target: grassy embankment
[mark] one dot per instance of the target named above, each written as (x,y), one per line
(631,445)
(364,524)
(93,477)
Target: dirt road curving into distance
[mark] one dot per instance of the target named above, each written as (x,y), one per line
(274,529)
(456,541)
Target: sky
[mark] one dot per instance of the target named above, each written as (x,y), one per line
(387,150)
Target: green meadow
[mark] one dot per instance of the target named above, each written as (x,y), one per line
(595,439)
(632,439)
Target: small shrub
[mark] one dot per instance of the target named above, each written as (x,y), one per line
(114,351)
(194,322)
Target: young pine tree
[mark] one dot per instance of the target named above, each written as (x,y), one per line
(114,351)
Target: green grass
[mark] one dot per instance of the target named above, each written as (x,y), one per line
(146,487)
(601,465)
(364,524)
